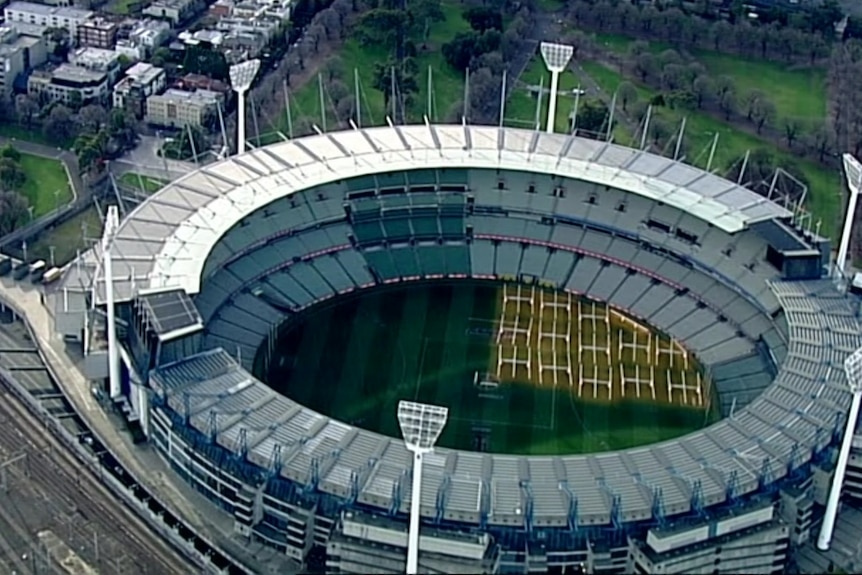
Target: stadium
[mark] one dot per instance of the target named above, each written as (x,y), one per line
(630,282)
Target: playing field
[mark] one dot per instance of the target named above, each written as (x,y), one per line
(522,369)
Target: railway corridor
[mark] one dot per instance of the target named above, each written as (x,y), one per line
(43,488)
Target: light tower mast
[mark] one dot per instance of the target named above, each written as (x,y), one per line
(421,425)
(241,77)
(853,371)
(112,223)
(556,57)
(853,173)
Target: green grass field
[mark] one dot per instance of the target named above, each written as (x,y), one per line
(45,177)
(139,181)
(67,238)
(518,375)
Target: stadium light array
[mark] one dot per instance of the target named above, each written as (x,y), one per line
(421,425)
(241,77)
(556,57)
(853,371)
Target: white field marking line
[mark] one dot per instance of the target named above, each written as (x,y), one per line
(508,423)
(596,382)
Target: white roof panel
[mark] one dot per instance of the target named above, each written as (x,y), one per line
(202,206)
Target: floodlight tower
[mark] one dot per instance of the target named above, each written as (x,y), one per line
(241,77)
(421,425)
(556,57)
(112,223)
(853,371)
(853,173)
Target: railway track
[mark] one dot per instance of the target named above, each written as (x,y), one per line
(53,475)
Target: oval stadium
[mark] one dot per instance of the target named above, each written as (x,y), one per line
(642,362)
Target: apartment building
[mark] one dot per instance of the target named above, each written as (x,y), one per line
(178,108)
(18,55)
(139,83)
(173,11)
(48,16)
(67,82)
(98,32)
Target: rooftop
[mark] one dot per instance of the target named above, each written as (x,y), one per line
(45,10)
(233,188)
(100,23)
(93,57)
(201,97)
(77,74)
(143,73)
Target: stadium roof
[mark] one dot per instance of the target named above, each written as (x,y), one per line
(165,242)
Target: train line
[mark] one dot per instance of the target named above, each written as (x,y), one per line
(48,471)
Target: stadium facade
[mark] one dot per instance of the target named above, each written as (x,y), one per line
(208,267)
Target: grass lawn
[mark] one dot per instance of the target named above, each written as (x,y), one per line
(824,198)
(442,341)
(521,106)
(45,177)
(797,92)
(139,181)
(67,238)
(18,132)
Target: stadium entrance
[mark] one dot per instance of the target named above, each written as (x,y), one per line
(523,369)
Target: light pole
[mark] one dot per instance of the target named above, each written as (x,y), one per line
(853,371)
(241,77)
(853,173)
(112,222)
(421,425)
(556,57)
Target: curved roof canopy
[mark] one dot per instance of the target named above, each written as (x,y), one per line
(165,242)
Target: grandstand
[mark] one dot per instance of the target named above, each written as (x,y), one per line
(256,239)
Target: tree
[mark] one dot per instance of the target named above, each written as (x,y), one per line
(466,46)
(92,117)
(728,104)
(483,18)
(792,128)
(204,59)
(484,95)
(751,101)
(10,152)
(332,23)
(646,66)
(627,94)
(26,108)
(593,118)
(405,81)
(12,176)
(702,88)
(14,211)
(59,125)
(161,56)
(380,27)
(763,113)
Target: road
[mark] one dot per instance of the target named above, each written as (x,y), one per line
(144,160)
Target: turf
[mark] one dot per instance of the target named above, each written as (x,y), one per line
(356,357)
(142,182)
(47,186)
